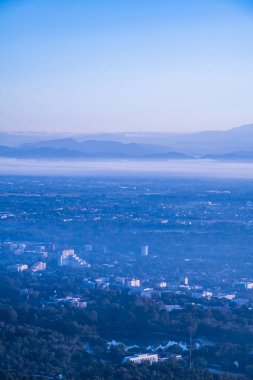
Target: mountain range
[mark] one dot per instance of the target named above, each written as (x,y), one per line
(71,149)
(232,145)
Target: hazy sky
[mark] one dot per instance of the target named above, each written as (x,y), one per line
(125,65)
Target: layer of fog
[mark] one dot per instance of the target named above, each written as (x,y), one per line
(198,168)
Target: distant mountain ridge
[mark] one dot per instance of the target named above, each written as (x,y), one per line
(241,156)
(71,149)
(207,144)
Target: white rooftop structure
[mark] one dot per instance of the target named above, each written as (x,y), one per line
(141,358)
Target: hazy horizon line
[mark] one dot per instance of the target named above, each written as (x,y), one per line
(129,132)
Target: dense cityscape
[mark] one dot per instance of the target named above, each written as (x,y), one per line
(125,273)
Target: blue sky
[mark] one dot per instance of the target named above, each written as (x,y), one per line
(125,65)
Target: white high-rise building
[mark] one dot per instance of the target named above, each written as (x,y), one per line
(144,250)
(69,257)
(63,260)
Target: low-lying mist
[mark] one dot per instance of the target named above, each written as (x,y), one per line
(199,168)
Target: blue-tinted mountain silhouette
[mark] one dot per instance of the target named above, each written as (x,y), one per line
(233,144)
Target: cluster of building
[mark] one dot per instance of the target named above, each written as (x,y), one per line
(77,301)
(155,291)
(48,256)
(26,248)
(36,267)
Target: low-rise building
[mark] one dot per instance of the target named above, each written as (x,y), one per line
(207,294)
(170,308)
(162,284)
(19,267)
(141,358)
(133,283)
(39,266)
